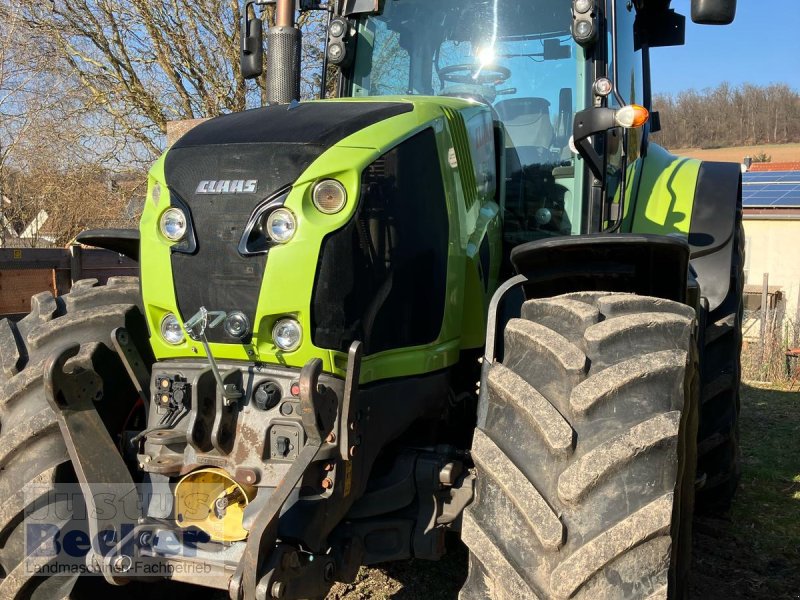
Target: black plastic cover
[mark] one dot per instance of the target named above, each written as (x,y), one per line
(124,241)
(382,278)
(316,123)
(717,201)
(650,265)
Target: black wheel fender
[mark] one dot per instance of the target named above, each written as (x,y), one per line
(717,202)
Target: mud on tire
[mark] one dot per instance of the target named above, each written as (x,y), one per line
(32,451)
(585,452)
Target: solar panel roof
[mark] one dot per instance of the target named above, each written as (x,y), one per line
(771,189)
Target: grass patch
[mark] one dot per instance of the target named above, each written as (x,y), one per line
(755,551)
(771,467)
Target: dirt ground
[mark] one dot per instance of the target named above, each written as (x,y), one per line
(783,153)
(751,553)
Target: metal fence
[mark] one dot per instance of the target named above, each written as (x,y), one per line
(771,335)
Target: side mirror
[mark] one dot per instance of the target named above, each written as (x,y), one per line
(713,12)
(251,55)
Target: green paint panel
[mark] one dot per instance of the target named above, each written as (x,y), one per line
(288,283)
(662,187)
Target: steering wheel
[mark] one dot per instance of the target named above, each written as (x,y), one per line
(475,74)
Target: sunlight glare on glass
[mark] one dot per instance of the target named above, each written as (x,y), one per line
(487,55)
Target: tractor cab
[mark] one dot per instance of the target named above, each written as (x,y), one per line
(517,57)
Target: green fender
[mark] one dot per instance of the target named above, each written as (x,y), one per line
(693,199)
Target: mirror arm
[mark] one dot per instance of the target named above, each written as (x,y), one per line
(587,123)
(245,33)
(592,158)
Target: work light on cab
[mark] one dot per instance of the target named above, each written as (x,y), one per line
(603,87)
(173,224)
(329,196)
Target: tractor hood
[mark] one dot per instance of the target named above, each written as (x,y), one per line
(225,168)
(234,162)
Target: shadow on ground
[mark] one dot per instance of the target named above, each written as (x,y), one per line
(754,552)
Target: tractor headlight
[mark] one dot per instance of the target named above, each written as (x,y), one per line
(281,225)
(287,335)
(584,22)
(171,330)
(329,196)
(174,224)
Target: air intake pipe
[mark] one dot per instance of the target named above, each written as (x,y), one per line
(284,41)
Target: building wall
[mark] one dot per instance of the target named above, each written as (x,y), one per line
(773,246)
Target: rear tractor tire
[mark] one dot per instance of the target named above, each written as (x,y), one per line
(718,451)
(585,453)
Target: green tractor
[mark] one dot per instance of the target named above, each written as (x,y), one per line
(466,296)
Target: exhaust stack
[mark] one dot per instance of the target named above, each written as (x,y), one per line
(283,56)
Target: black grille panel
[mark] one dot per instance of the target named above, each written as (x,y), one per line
(382,278)
(216,275)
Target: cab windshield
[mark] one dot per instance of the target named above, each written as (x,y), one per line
(515,55)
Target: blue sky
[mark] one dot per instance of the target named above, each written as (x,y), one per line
(762,46)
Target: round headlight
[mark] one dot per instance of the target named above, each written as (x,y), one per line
(171,330)
(583,30)
(287,335)
(237,325)
(603,87)
(281,225)
(173,224)
(336,52)
(338,28)
(583,6)
(329,196)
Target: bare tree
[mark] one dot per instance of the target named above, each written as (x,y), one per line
(730,116)
(147,62)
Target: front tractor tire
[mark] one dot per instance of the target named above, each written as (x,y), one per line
(585,452)
(33,457)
